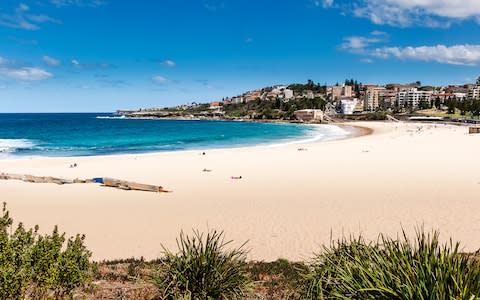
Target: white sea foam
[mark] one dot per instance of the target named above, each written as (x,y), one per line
(12,145)
(318,133)
(110,117)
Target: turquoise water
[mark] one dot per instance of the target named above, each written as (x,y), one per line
(101,134)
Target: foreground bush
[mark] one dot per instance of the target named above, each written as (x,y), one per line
(39,266)
(394,269)
(204,269)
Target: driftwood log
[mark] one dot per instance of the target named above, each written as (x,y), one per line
(110,182)
(129,185)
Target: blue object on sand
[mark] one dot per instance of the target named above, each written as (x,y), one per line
(98,180)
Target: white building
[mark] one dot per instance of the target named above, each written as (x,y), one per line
(460,96)
(237,100)
(287,94)
(413,97)
(348,106)
(308,94)
(474,92)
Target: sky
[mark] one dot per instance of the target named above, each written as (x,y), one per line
(103,55)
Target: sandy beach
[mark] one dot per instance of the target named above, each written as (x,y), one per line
(287,203)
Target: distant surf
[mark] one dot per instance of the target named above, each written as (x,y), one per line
(13,145)
(111,117)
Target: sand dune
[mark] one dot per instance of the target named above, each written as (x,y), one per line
(287,203)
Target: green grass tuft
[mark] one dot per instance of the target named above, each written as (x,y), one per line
(204,269)
(393,269)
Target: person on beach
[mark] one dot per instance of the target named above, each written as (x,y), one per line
(236,177)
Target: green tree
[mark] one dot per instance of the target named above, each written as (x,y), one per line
(438,104)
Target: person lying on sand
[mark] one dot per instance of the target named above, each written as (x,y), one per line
(206,170)
(236,177)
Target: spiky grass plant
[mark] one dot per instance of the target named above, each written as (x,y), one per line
(394,269)
(203,268)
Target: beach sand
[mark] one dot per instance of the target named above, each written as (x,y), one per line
(287,204)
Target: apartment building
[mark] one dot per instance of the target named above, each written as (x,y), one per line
(372,97)
(348,106)
(413,97)
(338,92)
(474,91)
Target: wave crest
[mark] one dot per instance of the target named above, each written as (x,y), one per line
(12,145)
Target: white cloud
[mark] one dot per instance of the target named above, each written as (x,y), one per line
(358,42)
(379,33)
(404,13)
(367,60)
(51,61)
(160,79)
(22,20)
(213,5)
(455,55)
(81,3)
(321,3)
(169,63)
(90,66)
(26,74)
(327,3)
(4,61)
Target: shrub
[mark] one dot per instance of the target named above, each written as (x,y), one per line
(37,266)
(203,269)
(394,269)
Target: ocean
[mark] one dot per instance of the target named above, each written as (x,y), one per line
(85,134)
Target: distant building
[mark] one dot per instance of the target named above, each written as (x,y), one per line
(308,115)
(413,97)
(308,94)
(474,92)
(372,96)
(348,106)
(237,100)
(393,86)
(359,106)
(337,92)
(287,94)
(460,96)
(252,96)
(215,105)
(389,97)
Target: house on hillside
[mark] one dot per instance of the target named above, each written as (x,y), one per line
(309,115)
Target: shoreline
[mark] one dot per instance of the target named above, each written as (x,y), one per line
(287,204)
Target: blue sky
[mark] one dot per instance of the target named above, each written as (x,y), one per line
(100,55)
